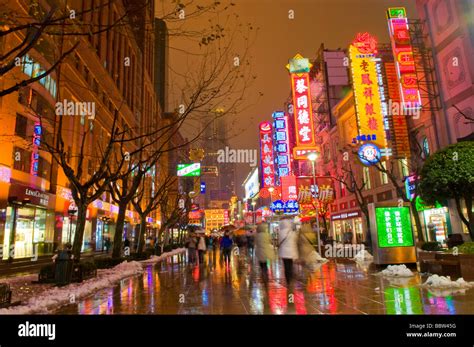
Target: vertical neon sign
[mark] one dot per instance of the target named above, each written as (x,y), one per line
(281,144)
(404,61)
(266,155)
(35,153)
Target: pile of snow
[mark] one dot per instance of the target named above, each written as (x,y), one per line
(155,258)
(363,256)
(55,297)
(435,281)
(397,271)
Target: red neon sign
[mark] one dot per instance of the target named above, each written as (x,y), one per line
(266,155)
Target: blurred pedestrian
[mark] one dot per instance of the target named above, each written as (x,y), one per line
(288,246)
(226,245)
(191,243)
(250,242)
(202,247)
(263,249)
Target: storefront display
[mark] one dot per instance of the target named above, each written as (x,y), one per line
(28,223)
(347,227)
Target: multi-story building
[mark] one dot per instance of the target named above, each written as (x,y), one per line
(111,70)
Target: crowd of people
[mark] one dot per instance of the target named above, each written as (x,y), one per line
(292,244)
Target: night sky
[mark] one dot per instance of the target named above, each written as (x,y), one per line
(332,22)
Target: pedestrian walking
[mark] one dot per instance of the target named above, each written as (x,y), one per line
(288,246)
(202,247)
(191,243)
(226,245)
(263,249)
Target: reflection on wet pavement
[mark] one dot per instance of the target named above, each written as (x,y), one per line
(174,287)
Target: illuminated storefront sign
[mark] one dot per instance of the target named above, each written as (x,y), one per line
(5,174)
(369,154)
(393,226)
(301,153)
(299,68)
(252,185)
(365,79)
(404,61)
(187,170)
(281,144)
(410,186)
(266,155)
(288,188)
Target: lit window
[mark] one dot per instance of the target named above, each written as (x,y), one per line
(366,173)
(403,167)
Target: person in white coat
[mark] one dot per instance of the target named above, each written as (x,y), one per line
(263,249)
(288,245)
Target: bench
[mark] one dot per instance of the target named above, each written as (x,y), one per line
(5,295)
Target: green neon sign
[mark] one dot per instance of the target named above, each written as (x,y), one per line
(394,227)
(189,170)
(396,12)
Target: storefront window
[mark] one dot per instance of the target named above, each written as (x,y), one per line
(437,224)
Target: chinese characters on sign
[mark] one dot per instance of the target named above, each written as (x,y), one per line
(266,155)
(302,109)
(403,54)
(282,144)
(394,226)
(299,68)
(370,121)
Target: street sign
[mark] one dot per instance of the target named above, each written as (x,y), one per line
(189,170)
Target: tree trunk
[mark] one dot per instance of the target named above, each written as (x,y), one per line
(141,237)
(470,215)
(368,235)
(462,216)
(80,226)
(416,216)
(117,251)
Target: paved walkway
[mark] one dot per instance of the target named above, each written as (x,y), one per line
(174,287)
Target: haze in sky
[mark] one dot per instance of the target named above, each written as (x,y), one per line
(331,22)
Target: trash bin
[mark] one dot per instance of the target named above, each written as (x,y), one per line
(63,269)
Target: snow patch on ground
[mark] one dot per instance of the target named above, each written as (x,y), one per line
(397,271)
(155,258)
(443,282)
(363,256)
(52,297)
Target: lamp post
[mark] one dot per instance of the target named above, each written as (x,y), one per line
(312,157)
(254,213)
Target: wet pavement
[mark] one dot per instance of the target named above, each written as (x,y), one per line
(337,287)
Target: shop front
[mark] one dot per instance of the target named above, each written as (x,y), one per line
(66,220)
(435,221)
(27,223)
(347,227)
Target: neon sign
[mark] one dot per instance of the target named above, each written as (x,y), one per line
(404,61)
(266,152)
(281,144)
(366,85)
(35,153)
(299,68)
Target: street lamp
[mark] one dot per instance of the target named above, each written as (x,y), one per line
(253,212)
(312,157)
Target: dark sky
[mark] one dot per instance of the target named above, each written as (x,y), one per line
(332,22)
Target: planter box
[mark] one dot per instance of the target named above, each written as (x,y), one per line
(425,258)
(467,266)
